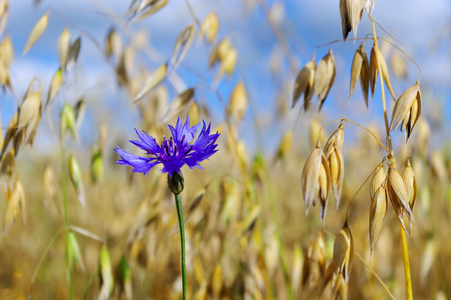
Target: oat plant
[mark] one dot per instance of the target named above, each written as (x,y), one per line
(324,168)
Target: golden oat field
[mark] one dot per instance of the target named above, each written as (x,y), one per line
(320,168)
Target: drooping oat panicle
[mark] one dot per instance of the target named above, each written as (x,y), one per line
(304,84)
(377,62)
(408,176)
(407,110)
(351,12)
(360,69)
(315,181)
(324,77)
(397,192)
(378,209)
(335,160)
(343,255)
(378,179)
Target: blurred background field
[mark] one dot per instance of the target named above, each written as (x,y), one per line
(248,236)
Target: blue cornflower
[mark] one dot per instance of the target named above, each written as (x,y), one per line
(173,153)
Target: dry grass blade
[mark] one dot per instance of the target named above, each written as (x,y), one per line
(378,209)
(182,45)
(407,110)
(324,77)
(238,102)
(304,84)
(36,32)
(360,69)
(152,82)
(63,47)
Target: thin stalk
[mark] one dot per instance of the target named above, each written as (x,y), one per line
(178,203)
(405,254)
(66,215)
(405,251)
(64,187)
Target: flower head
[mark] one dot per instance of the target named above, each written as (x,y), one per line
(174,152)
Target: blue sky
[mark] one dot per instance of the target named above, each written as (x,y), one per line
(419,25)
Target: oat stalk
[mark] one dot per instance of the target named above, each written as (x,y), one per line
(405,251)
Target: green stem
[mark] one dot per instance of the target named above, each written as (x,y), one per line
(178,203)
(64,187)
(66,214)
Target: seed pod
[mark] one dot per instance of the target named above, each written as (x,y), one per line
(125,278)
(304,84)
(410,181)
(360,69)
(209,27)
(238,102)
(76,179)
(398,65)
(73,253)
(343,254)
(377,63)
(351,12)
(397,192)
(378,210)
(284,147)
(15,200)
(407,110)
(378,179)
(324,77)
(63,47)
(315,180)
(105,274)
(314,266)
(335,161)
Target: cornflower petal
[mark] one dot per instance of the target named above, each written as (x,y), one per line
(172,153)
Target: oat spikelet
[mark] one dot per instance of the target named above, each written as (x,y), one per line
(377,62)
(407,110)
(351,12)
(324,77)
(335,160)
(360,69)
(343,255)
(397,192)
(315,181)
(304,84)
(314,267)
(408,176)
(378,209)
(378,179)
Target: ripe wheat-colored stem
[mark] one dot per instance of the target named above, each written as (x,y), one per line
(405,251)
